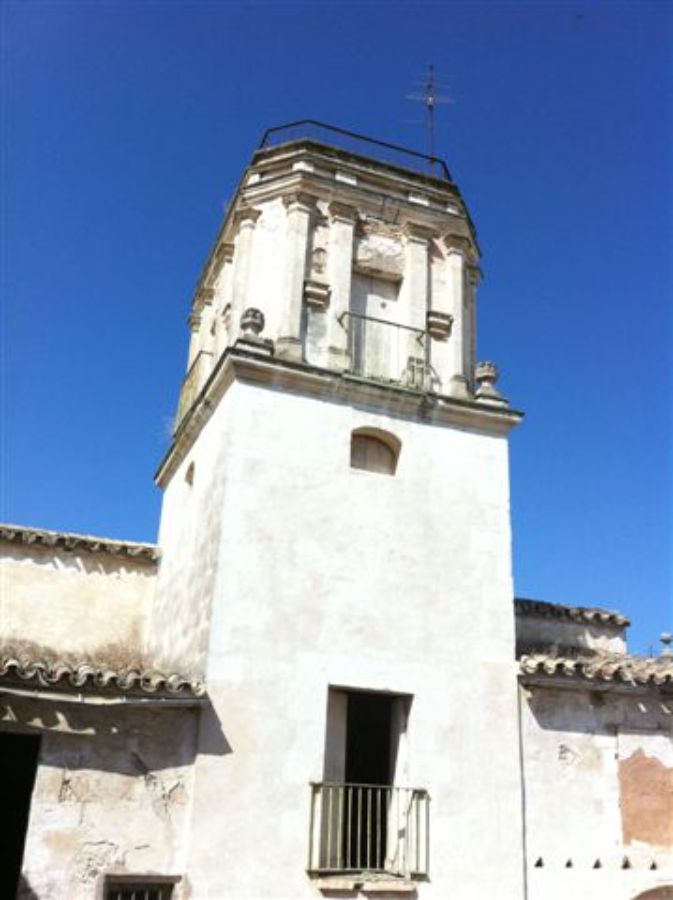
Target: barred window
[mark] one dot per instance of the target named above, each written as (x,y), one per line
(139,887)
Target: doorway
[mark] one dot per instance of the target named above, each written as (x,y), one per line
(18,766)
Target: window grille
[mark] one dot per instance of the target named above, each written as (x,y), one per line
(139,888)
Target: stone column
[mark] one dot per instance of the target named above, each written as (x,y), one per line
(457,247)
(225,257)
(245,221)
(416,274)
(342,224)
(300,208)
(194,322)
(472,279)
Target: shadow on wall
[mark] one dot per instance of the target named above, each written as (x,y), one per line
(24,891)
(594,711)
(128,741)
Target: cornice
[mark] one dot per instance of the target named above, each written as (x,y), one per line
(274,373)
(66,540)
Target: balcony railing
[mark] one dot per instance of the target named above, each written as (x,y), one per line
(369,828)
(385,351)
(194,381)
(359,144)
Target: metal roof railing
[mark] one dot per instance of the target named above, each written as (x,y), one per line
(360,144)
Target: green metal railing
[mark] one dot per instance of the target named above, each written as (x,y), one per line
(369,828)
(386,351)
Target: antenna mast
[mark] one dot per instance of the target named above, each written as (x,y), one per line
(430,98)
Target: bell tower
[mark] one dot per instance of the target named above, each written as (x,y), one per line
(335,537)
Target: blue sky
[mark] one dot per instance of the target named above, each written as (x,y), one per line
(125,127)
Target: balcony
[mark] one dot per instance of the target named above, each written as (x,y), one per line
(369,828)
(386,351)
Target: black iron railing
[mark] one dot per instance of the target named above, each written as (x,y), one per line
(386,351)
(369,827)
(359,144)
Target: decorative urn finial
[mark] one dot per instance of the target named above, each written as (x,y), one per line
(667,639)
(486,374)
(252,323)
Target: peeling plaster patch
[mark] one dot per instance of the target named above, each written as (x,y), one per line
(93,857)
(646,792)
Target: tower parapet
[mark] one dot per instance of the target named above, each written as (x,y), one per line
(358,265)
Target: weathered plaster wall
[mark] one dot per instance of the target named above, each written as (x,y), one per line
(539,631)
(328,575)
(74,603)
(598,770)
(112,794)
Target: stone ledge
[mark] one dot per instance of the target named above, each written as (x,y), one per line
(370,885)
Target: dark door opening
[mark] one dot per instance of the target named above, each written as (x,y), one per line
(18,765)
(369,764)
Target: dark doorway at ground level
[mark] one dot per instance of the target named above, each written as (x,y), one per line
(18,765)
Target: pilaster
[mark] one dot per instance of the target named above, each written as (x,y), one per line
(300,209)
(457,249)
(416,273)
(244,221)
(342,225)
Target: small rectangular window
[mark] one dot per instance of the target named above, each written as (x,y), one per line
(139,887)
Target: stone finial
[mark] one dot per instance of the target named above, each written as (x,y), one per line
(438,324)
(252,323)
(486,375)
(667,639)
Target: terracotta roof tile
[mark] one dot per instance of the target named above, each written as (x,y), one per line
(634,670)
(49,674)
(19,534)
(587,614)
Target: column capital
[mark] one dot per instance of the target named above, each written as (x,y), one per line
(247,216)
(225,252)
(342,212)
(474,274)
(418,233)
(300,201)
(205,296)
(456,243)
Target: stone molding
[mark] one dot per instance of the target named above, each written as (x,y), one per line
(316,295)
(65,540)
(246,215)
(342,212)
(290,374)
(301,201)
(438,324)
(414,231)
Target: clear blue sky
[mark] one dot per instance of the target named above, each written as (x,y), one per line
(124,129)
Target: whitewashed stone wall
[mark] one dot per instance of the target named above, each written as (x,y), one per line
(74,603)
(598,770)
(322,575)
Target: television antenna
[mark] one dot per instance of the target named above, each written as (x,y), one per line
(430,99)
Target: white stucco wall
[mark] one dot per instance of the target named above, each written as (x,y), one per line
(598,770)
(74,603)
(327,575)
